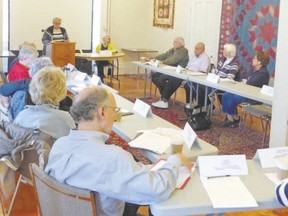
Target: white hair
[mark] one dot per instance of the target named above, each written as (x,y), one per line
(180,40)
(231,49)
(38,64)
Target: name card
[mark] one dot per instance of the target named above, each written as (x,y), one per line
(269,156)
(106,53)
(190,137)
(179,69)
(213,78)
(267,90)
(95,80)
(142,108)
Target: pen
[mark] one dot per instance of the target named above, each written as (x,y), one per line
(222,176)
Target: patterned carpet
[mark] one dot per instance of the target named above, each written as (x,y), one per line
(227,140)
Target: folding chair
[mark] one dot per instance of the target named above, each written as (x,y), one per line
(55,198)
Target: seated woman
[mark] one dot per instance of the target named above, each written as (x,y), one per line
(257,76)
(229,65)
(17,90)
(105,45)
(47,88)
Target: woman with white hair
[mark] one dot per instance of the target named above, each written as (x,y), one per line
(47,89)
(19,70)
(17,90)
(229,65)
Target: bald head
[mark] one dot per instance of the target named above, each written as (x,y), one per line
(199,48)
(87,102)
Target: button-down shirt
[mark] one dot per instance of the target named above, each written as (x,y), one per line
(83,160)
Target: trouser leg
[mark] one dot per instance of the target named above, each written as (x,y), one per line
(171,85)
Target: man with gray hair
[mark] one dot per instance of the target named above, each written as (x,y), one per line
(167,85)
(20,69)
(84,160)
(18,89)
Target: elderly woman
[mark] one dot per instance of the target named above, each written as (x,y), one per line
(257,76)
(105,45)
(54,33)
(17,90)
(229,65)
(47,89)
(20,69)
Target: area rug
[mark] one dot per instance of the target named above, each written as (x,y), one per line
(227,140)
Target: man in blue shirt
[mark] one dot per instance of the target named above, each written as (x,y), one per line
(83,159)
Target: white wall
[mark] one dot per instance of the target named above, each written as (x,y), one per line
(279,132)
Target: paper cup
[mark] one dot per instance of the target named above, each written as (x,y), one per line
(177,145)
(142,59)
(282,168)
(119,116)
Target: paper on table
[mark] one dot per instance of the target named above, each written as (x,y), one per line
(228,192)
(267,156)
(222,165)
(183,174)
(273,177)
(169,67)
(195,73)
(170,132)
(151,141)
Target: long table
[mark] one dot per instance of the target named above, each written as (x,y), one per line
(129,125)
(237,88)
(194,200)
(98,57)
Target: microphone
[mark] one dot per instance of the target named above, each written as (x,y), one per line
(51,36)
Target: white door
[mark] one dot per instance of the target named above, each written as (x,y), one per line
(204,25)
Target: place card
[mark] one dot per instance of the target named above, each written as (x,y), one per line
(222,165)
(190,137)
(213,78)
(267,90)
(95,80)
(179,69)
(268,156)
(142,108)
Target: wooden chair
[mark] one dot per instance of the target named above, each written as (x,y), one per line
(55,198)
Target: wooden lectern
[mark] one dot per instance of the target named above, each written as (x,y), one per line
(61,53)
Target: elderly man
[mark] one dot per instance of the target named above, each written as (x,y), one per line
(83,159)
(167,85)
(199,62)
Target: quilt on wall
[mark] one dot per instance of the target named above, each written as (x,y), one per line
(252,26)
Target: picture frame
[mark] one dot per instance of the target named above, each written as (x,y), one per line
(164,13)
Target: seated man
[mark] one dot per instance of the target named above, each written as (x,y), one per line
(83,159)
(20,69)
(167,85)
(199,62)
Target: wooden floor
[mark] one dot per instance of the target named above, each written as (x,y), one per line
(131,86)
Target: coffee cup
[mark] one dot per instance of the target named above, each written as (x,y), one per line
(118,117)
(142,59)
(282,168)
(177,144)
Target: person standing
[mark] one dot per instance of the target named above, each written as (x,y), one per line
(54,33)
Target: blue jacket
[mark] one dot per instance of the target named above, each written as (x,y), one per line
(17,91)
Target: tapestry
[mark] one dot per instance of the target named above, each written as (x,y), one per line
(252,26)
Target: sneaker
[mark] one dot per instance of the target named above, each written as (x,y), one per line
(188,106)
(161,104)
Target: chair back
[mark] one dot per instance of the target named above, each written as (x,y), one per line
(55,198)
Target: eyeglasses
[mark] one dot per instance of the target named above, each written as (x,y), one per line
(116,109)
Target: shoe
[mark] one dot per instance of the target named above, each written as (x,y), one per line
(234,124)
(225,123)
(161,104)
(236,120)
(188,106)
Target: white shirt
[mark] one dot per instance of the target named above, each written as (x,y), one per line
(199,63)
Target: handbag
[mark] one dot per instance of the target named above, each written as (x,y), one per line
(199,121)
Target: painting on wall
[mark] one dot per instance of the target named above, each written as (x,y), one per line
(164,13)
(252,26)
